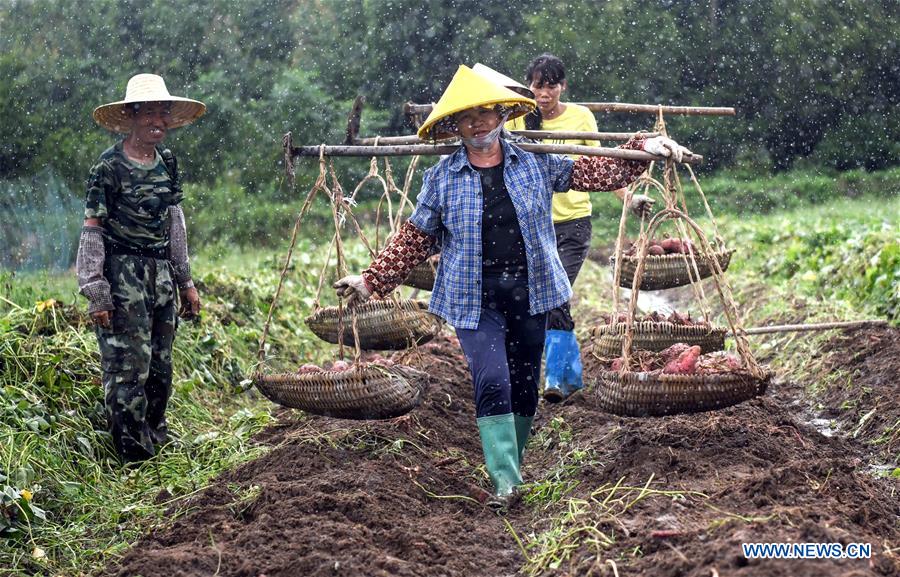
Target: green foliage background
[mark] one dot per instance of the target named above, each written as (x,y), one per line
(807,77)
(816,86)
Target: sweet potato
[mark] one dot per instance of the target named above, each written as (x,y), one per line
(673,351)
(310,368)
(341,366)
(656,250)
(671,245)
(685,364)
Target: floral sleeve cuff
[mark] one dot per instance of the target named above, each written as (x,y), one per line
(597,173)
(409,247)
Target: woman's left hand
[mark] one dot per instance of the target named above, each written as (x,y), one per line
(666,147)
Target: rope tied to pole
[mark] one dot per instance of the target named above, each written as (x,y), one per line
(676,210)
(319,184)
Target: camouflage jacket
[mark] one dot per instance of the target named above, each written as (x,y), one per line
(133,202)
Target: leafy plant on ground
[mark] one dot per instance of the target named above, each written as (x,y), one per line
(66,503)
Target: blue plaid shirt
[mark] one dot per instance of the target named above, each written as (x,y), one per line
(449,207)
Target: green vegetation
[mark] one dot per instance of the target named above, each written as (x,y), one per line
(844,253)
(838,261)
(558,436)
(808,78)
(66,503)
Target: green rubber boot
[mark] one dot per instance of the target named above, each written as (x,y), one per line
(523,431)
(501,457)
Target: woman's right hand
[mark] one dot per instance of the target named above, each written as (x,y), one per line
(353,288)
(666,147)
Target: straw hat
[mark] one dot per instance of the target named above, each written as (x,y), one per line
(468,89)
(502,80)
(147,88)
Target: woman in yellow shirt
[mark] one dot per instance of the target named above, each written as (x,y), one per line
(546,77)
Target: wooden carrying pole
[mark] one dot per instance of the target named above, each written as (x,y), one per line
(422,110)
(436,150)
(535,134)
(815,327)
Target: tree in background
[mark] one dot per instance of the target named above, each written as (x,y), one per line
(809,78)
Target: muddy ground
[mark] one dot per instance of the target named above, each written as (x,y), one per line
(672,496)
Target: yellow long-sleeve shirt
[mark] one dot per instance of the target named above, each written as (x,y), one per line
(575,118)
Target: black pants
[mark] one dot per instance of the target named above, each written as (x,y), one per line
(504,352)
(573,240)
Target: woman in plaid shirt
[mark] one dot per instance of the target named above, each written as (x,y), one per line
(489,203)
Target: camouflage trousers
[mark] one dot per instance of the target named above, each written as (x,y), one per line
(136,352)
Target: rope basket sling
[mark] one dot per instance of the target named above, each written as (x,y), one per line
(389,324)
(670,270)
(655,336)
(607,339)
(640,393)
(363,392)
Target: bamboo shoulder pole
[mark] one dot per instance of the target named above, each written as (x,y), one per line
(388,140)
(571,135)
(436,150)
(654,109)
(815,327)
(422,110)
(535,134)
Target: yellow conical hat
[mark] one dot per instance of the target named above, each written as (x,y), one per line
(468,89)
(503,80)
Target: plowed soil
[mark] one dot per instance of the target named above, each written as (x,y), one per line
(671,496)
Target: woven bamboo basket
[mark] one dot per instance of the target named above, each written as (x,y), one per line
(382,324)
(669,270)
(373,392)
(640,394)
(655,336)
(422,275)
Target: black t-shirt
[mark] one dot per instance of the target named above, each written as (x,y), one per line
(502,246)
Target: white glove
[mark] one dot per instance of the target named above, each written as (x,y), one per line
(641,205)
(662,146)
(353,288)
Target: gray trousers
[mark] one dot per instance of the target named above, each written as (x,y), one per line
(573,240)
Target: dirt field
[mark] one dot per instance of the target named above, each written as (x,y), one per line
(673,496)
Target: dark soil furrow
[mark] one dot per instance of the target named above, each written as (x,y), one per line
(673,496)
